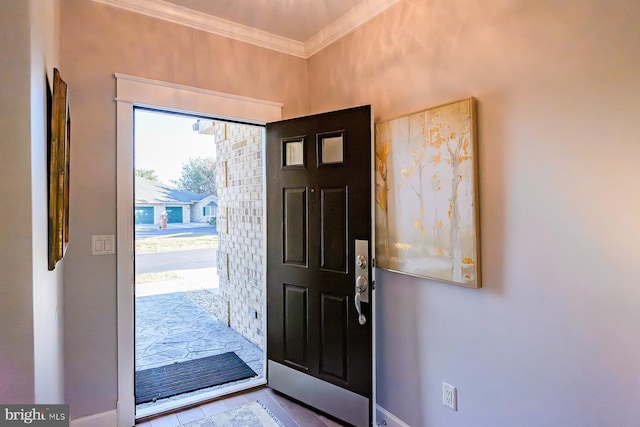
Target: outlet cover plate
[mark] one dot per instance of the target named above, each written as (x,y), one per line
(449,396)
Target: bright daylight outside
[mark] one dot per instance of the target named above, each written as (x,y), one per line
(183,342)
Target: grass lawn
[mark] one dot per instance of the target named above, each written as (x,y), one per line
(176,242)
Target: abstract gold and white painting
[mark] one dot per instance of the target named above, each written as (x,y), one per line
(427,194)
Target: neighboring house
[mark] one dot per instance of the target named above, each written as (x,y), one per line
(154,198)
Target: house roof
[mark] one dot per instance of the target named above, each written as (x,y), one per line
(147,191)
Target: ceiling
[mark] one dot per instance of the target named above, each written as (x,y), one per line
(295,27)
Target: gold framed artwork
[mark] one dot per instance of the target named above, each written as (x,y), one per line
(58,170)
(427,216)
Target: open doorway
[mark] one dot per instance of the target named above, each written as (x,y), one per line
(199,288)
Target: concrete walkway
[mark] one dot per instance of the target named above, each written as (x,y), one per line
(174,323)
(188,280)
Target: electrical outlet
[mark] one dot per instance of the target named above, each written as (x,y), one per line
(449,396)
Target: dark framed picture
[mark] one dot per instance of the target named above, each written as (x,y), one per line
(58,173)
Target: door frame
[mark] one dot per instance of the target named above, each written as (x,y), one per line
(132,92)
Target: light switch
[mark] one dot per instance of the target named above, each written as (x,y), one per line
(103,244)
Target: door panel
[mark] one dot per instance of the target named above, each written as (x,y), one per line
(318,205)
(333,229)
(295,325)
(295,226)
(333,327)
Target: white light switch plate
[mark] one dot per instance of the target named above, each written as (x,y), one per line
(103,244)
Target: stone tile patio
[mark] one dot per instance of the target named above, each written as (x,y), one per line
(175,323)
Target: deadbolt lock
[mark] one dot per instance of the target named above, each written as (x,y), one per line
(361,261)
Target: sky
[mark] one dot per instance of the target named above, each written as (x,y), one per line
(164,142)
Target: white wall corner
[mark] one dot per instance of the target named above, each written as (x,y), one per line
(104,419)
(383,416)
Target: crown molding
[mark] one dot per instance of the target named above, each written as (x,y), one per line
(348,22)
(190,18)
(200,21)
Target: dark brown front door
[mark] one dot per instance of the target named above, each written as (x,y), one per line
(318,242)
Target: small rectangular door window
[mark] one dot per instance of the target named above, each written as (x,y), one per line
(293,153)
(330,148)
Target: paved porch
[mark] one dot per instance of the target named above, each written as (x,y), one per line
(175,323)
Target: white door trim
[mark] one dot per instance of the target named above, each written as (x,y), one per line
(133,92)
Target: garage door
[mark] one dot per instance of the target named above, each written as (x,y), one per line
(144,215)
(174,214)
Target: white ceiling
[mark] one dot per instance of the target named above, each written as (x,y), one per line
(295,27)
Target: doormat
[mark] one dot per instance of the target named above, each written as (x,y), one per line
(253,414)
(170,380)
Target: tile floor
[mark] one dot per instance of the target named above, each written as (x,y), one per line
(288,412)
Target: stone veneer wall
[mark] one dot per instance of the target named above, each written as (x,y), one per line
(240,256)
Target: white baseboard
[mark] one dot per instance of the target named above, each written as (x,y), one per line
(391,420)
(105,419)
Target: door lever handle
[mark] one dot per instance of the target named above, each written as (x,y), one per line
(361,319)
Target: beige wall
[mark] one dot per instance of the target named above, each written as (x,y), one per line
(31,336)
(98,41)
(16,344)
(549,339)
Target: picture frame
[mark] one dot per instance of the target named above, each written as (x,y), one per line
(427,213)
(58,170)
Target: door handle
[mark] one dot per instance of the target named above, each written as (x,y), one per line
(361,319)
(361,288)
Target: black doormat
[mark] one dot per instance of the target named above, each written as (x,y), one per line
(183,377)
